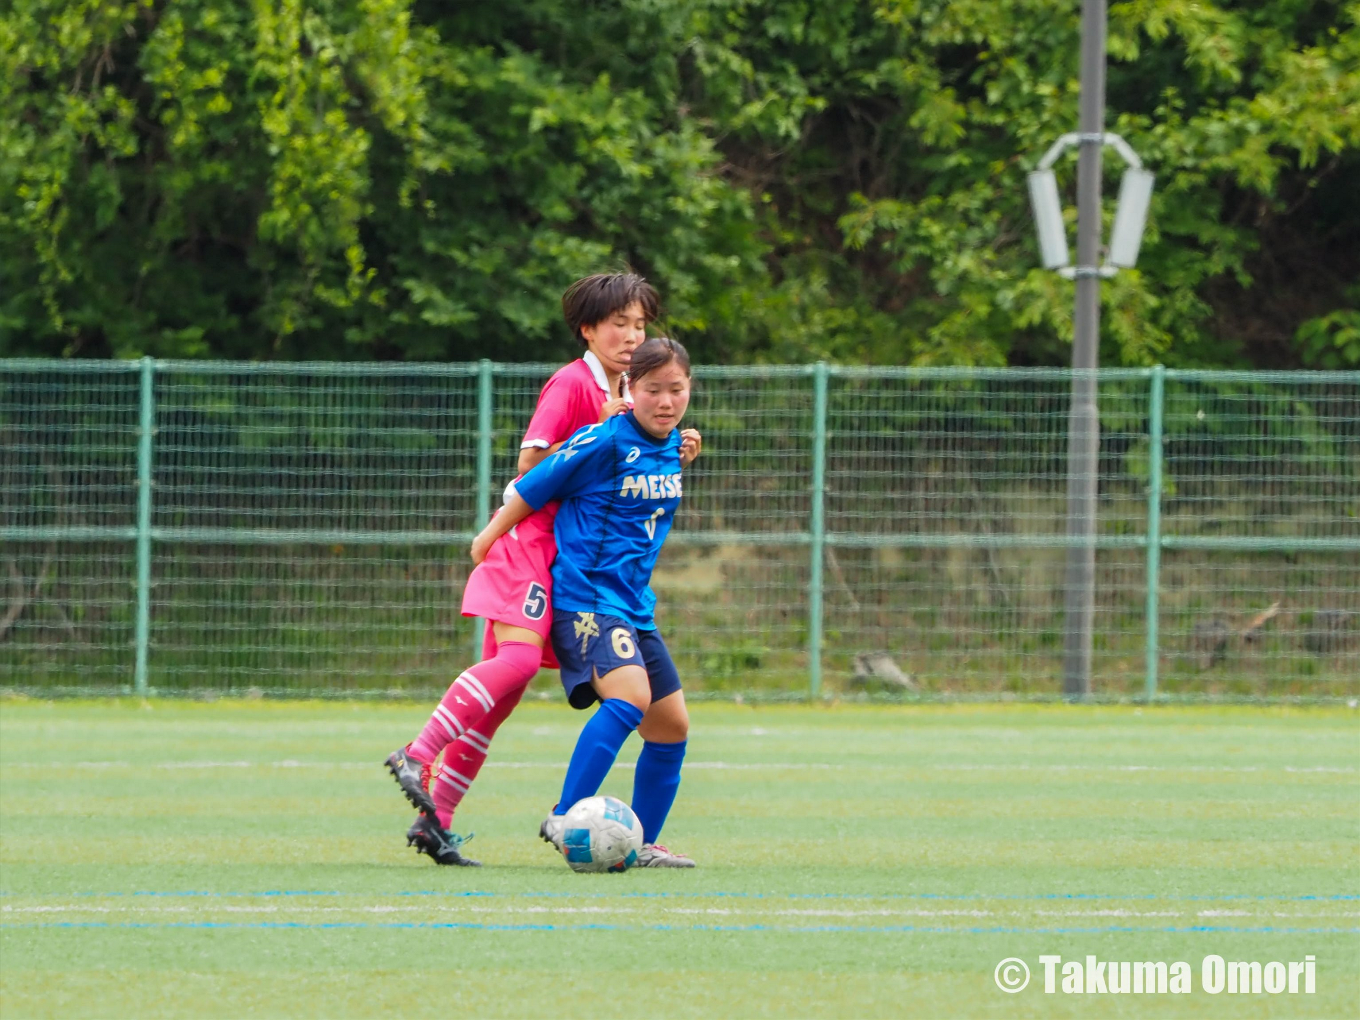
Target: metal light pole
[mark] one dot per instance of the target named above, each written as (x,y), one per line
(1083,444)
(1083,423)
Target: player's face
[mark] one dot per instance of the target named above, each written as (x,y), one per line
(614,339)
(660,399)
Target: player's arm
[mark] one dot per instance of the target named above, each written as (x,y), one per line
(532,456)
(561,475)
(514,511)
(555,409)
(548,427)
(571,466)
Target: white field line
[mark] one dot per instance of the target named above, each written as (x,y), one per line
(377,767)
(653,910)
(475,908)
(723,765)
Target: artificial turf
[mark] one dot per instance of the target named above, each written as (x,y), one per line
(248,859)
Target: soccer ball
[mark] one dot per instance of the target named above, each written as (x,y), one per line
(601,834)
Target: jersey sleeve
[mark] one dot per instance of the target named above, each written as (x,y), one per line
(554,416)
(583,459)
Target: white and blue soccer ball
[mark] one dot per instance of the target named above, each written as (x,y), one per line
(601,834)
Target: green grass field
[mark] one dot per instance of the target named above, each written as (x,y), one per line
(248,859)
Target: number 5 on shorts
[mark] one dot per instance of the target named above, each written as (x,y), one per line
(622,642)
(535,602)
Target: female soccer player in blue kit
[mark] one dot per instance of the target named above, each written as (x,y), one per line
(620,485)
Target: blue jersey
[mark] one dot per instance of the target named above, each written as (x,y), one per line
(620,487)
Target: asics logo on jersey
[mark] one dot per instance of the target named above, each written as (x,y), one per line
(633,455)
(652,486)
(650,525)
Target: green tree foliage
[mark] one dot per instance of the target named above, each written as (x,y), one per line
(803,178)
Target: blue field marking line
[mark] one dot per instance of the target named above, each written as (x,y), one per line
(641,894)
(835,929)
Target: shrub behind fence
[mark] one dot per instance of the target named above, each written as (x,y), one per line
(303,527)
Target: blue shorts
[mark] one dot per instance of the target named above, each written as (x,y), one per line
(593,644)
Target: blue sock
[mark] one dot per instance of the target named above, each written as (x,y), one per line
(596,748)
(654,785)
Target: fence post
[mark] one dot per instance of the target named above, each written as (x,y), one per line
(484,401)
(485,398)
(144,439)
(817,530)
(1154,521)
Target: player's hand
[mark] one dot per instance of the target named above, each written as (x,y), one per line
(691,443)
(612,407)
(481,545)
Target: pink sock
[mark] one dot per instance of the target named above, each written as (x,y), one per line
(464,757)
(474,694)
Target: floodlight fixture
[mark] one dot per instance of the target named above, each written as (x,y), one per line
(1043,198)
(1135,195)
(1130,216)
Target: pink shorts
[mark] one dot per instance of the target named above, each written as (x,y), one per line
(513,585)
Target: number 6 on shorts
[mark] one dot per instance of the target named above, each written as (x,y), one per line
(622,642)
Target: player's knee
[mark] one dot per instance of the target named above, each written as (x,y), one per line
(663,732)
(642,700)
(666,723)
(677,727)
(628,683)
(521,659)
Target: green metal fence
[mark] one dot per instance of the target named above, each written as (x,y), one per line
(303,527)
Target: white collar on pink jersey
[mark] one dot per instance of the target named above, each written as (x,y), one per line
(602,380)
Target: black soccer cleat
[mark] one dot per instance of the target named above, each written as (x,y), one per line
(413,776)
(552,828)
(440,845)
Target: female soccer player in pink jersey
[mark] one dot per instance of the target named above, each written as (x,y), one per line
(512,588)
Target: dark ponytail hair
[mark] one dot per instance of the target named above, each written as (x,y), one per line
(656,352)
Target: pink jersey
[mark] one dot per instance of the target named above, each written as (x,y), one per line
(513,585)
(570,400)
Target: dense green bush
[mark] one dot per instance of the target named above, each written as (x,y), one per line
(804,178)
